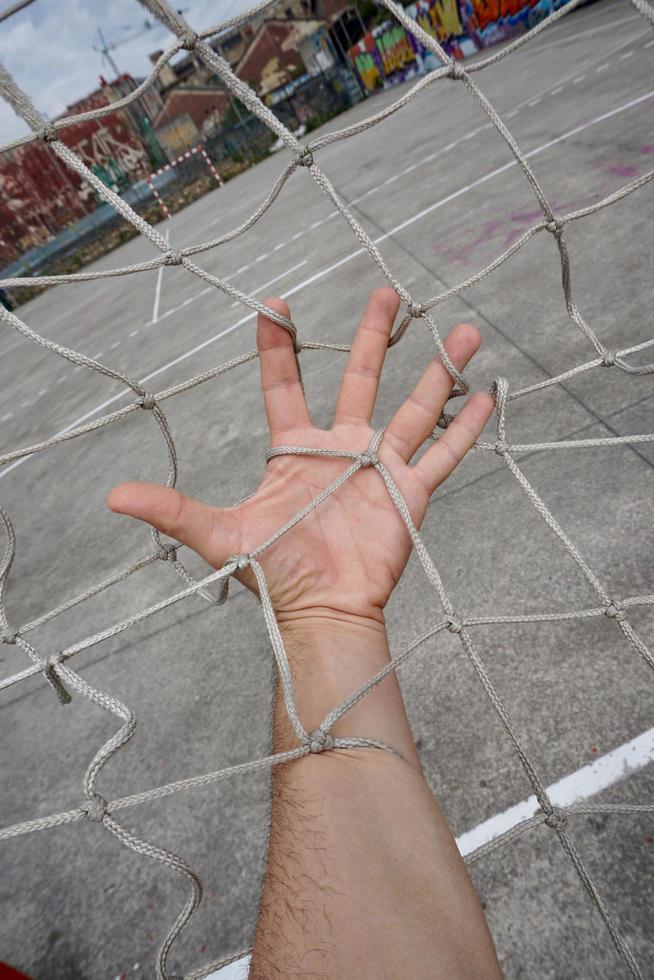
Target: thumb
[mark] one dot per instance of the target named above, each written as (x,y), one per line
(208,530)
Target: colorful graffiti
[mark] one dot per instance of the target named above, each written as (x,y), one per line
(381,54)
(492,21)
(388,54)
(440,18)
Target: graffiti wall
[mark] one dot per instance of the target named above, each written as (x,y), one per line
(37,199)
(491,21)
(388,54)
(109,146)
(39,196)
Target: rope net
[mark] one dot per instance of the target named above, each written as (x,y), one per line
(55,666)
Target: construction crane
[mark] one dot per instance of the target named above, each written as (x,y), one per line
(15,7)
(105,47)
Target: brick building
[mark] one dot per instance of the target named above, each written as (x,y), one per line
(39,195)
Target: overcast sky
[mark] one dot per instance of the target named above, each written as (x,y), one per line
(48,47)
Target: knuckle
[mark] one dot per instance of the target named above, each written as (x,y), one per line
(452,451)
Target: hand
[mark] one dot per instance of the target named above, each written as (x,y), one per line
(344,559)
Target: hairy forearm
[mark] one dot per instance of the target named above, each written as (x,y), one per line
(363,878)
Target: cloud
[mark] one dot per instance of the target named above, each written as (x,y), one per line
(48,47)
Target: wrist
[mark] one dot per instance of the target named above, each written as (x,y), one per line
(315,622)
(331,655)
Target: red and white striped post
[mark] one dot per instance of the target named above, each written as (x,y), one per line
(157,195)
(169,166)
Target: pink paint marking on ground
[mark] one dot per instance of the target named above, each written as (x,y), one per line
(647,149)
(624,170)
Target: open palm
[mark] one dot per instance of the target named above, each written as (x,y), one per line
(344,558)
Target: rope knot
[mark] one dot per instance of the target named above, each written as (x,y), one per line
(319,741)
(48,134)
(189,40)
(240,562)
(615,610)
(501,447)
(416,310)
(167,552)
(555,226)
(95,808)
(305,159)
(454,625)
(297,346)
(10,636)
(174,257)
(609,358)
(368,458)
(456,71)
(556,819)
(148,401)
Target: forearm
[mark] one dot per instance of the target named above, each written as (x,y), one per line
(364,878)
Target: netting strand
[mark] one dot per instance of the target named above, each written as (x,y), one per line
(54,665)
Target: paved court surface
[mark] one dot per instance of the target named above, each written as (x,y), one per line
(431,184)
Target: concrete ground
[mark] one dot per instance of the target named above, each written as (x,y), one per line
(78,906)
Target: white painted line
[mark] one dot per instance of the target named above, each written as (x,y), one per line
(277,247)
(649,44)
(533,103)
(576,81)
(5,418)
(627,54)
(510,115)
(580,785)
(557,91)
(297,235)
(61,379)
(157,290)
(271,282)
(115,344)
(347,258)
(573,37)
(591,123)
(602,67)
(261,257)
(238,970)
(42,392)
(133,333)
(317,224)
(95,357)
(176,309)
